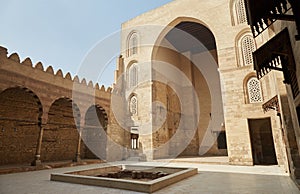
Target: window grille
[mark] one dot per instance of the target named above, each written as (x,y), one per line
(254,90)
(240,12)
(247,46)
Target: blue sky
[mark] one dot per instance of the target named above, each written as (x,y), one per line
(61,32)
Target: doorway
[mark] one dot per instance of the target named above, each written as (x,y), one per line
(134,138)
(263,150)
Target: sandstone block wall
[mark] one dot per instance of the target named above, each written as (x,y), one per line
(219,17)
(38,104)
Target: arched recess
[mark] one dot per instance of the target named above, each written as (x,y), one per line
(132,74)
(94,133)
(60,136)
(190,46)
(20,119)
(132,43)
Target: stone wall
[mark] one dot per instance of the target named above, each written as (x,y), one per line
(42,111)
(19,131)
(219,17)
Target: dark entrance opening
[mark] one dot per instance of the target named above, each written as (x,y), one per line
(263,150)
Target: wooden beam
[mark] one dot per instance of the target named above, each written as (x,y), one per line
(281,17)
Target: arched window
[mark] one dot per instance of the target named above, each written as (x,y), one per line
(132,44)
(247,47)
(240,12)
(254,90)
(133,75)
(133,105)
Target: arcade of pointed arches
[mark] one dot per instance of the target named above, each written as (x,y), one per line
(56,137)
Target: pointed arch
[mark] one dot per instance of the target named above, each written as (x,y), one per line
(20,120)
(182,27)
(94,132)
(60,136)
(182,44)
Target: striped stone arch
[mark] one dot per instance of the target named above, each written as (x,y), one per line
(103,112)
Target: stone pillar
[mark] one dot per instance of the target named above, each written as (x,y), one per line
(37,160)
(77,156)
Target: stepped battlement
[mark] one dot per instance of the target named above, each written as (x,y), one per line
(14,60)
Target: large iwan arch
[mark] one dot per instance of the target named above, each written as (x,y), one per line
(189,46)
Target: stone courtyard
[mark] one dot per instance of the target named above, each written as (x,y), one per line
(211,178)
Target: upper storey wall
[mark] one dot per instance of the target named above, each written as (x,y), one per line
(214,14)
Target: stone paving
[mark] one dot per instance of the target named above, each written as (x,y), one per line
(212,178)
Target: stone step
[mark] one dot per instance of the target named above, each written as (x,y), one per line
(134,153)
(136,159)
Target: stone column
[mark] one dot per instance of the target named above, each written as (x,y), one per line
(77,156)
(37,160)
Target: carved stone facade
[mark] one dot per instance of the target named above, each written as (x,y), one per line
(229,42)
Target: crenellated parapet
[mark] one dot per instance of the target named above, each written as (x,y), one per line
(38,70)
